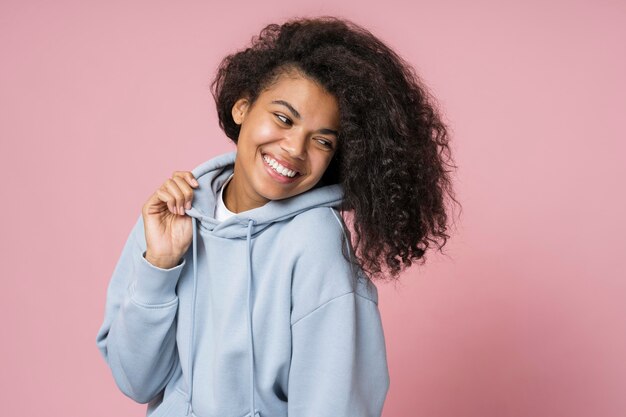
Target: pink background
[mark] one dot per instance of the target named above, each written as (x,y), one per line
(525,316)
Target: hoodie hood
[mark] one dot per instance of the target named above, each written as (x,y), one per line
(211,175)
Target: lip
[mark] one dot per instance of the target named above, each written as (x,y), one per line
(283,163)
(275,175)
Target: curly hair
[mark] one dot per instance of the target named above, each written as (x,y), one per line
(393,146)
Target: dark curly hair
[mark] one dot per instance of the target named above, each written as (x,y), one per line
(393,146)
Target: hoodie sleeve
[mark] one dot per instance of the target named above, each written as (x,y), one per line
(138,336)
(339,362)
(339,365)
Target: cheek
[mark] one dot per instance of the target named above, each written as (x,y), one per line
(263,132)
(320,163)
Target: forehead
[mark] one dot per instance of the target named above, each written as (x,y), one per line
(300,90)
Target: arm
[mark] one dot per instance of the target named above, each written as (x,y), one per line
(138,336)
(339,365)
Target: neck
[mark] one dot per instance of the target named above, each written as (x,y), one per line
(235,196)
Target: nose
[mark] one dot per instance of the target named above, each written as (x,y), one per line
(295,145)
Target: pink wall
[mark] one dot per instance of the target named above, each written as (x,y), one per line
(527,315)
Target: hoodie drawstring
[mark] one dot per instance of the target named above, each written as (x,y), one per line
(253,412)
(193,316)
(249,261)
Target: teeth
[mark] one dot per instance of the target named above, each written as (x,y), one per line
(279,168)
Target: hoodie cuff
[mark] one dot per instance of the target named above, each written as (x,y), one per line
(154,285)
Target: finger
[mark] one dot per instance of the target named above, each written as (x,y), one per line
(179,198)
(186,190)
(188,176)
(167,198)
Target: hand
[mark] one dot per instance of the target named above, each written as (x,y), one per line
(167,228)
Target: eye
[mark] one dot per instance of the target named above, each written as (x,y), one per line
(326,143)
(281,117)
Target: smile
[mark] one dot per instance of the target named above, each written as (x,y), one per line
(278,168)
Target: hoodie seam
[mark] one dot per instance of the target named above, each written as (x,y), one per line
(153,306)
(328,302)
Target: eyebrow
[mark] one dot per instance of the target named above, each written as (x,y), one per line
(297,116)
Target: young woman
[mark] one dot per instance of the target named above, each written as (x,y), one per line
(239,291)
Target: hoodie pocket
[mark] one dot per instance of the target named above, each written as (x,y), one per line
(175,405)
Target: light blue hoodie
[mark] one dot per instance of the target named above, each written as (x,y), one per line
(263,313)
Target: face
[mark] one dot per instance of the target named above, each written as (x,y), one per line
(287,140)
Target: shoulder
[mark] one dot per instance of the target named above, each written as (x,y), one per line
(321,272)
(317,224)
(318,234)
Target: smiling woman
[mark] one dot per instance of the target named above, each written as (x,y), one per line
(239,291)
(270,142)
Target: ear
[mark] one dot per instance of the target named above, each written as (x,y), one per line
(240,109)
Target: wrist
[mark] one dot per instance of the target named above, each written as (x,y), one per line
(163,262)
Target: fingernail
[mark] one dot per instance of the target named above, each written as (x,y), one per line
(188,205)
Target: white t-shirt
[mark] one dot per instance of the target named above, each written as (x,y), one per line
(221,212)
